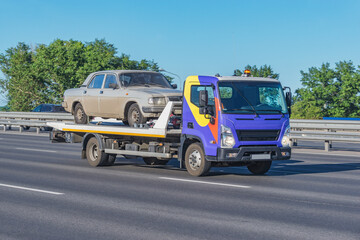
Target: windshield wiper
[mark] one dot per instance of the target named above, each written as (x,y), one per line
(256,114)
(273,110)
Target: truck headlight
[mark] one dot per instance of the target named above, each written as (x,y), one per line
(227,137)
(157,101)
(285,141)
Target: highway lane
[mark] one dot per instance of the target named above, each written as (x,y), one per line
(51,193)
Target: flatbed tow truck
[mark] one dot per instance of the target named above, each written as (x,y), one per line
(226,121)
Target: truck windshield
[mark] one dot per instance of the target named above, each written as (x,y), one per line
(144,79)
(252,97)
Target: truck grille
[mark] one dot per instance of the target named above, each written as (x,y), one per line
(258,135)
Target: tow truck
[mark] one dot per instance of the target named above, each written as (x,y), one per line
(225,121)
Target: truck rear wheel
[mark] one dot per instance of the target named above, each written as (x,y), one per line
(154,161)
(94,155)
(195,161)
(259,168)
(80,116)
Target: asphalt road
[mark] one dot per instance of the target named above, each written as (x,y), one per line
(48,192)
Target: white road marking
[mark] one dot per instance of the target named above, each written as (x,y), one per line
(30,189)
(1,139)
(203,182)
(36,150)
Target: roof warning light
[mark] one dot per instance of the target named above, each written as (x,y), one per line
(246,73)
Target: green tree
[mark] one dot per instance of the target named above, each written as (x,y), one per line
(42,74)
(263,71)
(328,92)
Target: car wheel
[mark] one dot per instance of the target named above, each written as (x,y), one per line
(134,115)
(80,116)
(25,127)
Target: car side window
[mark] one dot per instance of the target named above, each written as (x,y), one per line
(109,79)
(125,80)
(97,81)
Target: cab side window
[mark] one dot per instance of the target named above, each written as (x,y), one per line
(97,81)
(109,79)
(195,92)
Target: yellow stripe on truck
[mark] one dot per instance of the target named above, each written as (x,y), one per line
(114,133)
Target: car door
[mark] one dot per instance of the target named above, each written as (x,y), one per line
(109,97)
(90,98)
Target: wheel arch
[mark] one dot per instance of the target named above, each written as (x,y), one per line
(73,106)
(127,106)
(186,141)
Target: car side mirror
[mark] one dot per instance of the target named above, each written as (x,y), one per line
(113,86)
(174,86)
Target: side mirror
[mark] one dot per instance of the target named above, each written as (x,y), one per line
(174,86)
(288,99)
(113,86)
(203,98)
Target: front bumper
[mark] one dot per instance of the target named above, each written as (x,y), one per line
(251,153)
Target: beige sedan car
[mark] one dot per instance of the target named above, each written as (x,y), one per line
(133,96)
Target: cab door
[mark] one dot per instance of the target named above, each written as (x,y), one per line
(90,95)
(109,105)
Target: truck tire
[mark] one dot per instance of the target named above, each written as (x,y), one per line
(195,161)
(94,155)
(134,115)
(80,116)
(111,159)
(154,161)
(259,168)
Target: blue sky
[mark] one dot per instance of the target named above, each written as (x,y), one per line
(197,37)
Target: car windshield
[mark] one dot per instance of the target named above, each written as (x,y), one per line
(144,79)
(252,97)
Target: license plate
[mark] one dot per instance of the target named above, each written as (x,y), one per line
(260,156)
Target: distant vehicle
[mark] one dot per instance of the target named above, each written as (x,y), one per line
(133,96)
(47,108)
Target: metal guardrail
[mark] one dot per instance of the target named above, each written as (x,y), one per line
(320,130)
(325,130)
(31,119)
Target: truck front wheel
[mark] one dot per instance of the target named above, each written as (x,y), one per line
(195,161)
(94,155)
(259,168)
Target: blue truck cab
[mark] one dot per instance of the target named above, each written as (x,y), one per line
(234,120)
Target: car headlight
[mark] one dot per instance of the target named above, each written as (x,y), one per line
(285,141)
(227,137)
(157,101)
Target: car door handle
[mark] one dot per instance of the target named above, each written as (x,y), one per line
(84,92)
(101,92)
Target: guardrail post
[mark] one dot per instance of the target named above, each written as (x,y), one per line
(327,146)
(20,129)
(37,130)
(5,128)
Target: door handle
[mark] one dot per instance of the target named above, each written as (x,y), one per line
(101,92)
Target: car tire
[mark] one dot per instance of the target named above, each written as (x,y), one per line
(134,115)
(154,161)
(259,168)
(195,161)
(80,116)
